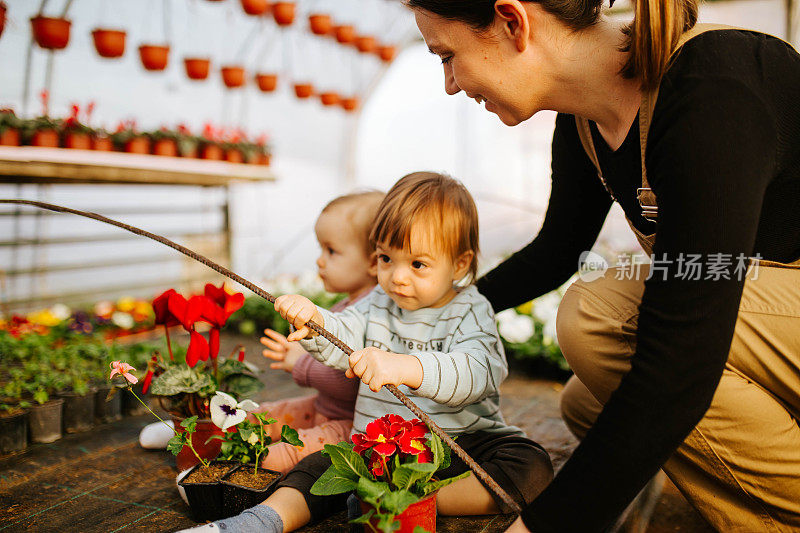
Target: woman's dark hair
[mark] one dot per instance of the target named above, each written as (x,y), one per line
(651,37)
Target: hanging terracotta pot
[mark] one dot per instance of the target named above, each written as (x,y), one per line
(9,137)
(197,68)
(345,34)
(212,152)
(329,98)
(102,144)
(255,7)
(366,44)
(138,145)
(283,12)
(47,138)
(233,76)
(154,57)
(109,43)
(234,155)
(387,53)
(50,33)
(2,16)
(260,159)
(303,90)
(266,82)
(165,147)
(320,23)
(349,104)
(77,140)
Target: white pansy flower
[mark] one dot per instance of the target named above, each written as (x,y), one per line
(513,326)
(225,412)
(123,320)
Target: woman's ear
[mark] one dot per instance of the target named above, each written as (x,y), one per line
(373,265)
(514,17)
(462,265)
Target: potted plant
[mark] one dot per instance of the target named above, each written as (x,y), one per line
(127,138)
(197,68)
(303,90)
(283,13)
(102,142)
(9,128)
(187,142)
(78,400)
(329,98)
(13,413)
(51,33)
(109,43)
(209,147)
(391,468)
(266,82)
(366,44)
(255,7)
(164,142)
(233,76)
(75,134)
(387,52)
(154,57)
(345,33)
(42,131)
(45,417)
(320,23)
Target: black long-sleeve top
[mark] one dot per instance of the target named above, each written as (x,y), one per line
(723,158)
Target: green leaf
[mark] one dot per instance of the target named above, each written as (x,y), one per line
(396,502)
(245,433)
(364,518)
(347,461)
(241,385)
(190,424)
(182,379)
(420,529)
(372,491)
(436,485)
(291,436)
(404,476)
(332,482)
(175,444)
(437,448)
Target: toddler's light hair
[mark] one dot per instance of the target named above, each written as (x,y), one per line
(439,204)
(360,209)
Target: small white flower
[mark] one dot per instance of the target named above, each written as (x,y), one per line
(225,412)
(123,320)
(545,308)
(60,311)
(253,439)
(513,326)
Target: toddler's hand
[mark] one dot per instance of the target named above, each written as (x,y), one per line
(377,368)
(298,310)
(281,350)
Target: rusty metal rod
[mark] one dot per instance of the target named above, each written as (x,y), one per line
(459,451)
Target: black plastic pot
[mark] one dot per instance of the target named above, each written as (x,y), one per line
(130,405)
(237,498)
(78,411)
(205,499)
(45,421)
(13,432)
(107,411)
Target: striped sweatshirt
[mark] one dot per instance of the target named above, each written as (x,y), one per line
(458,346)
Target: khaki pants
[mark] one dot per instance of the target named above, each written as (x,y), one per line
(740,466)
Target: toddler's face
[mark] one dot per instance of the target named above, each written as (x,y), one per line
(421,276)
(342,264)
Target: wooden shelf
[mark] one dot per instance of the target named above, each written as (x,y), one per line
(30,164)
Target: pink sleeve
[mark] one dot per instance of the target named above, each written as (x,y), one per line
(308,372)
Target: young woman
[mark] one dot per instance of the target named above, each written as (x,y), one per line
(690,366)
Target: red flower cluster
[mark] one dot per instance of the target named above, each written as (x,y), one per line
(214,307)
(389,434)
(19,326)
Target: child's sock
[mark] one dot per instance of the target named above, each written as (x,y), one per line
(258,518)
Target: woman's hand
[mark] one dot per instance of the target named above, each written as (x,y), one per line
(518,526)
(299,310)
(377,368)
(281,350)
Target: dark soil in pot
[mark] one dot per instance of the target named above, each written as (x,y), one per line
(242,490)
(13,432)
(204,490)
(105,409)
(78,411)
(45,421)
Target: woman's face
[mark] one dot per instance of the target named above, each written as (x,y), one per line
(488,66)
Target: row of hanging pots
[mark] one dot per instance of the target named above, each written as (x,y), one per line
(3,9)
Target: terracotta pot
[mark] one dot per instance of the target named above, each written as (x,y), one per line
(138,145)
(419,514)
(47,138)
(233,76)
(366,44)
(165,147)
(387,53)
(205,429)
(260,159)
(303,90)
(9,137)
(320,23)
(50,33)
(212,152)
(283,12)
(2,17)
(329,98)
(109,43)
(102,144)
(255,7)
(234,155)
(13,432)
(345,34)
(349,104)
(266,82)
(77,140)
(154,57)
(45,421)
(197,68)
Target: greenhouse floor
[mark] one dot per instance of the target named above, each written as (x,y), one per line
(102,481)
